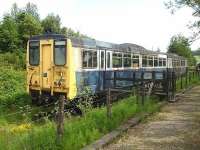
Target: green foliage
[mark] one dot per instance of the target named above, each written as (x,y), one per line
(15,60)
(78,131)
(12,87)
(8,35)
(32,10)
(180,45)
(51,23)
(27,27)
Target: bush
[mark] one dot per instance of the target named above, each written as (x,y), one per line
(12,87)
(14,60)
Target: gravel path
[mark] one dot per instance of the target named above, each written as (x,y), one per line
(176,127)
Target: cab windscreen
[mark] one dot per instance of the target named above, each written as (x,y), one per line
(60,52)
(34,53)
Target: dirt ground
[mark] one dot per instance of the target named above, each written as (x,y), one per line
(175,127)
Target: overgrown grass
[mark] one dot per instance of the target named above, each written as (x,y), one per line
(79,131)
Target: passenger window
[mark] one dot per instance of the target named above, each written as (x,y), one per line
(150,61)
(182,63)
(155,61)
(117,60)
(127,60)
(108,60)
(102,60)
(160,62)
(135,61)
(60,53)
(89,59)
(34,53)
(164,62)
(144,61)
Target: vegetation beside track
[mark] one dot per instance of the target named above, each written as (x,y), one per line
(79,131)
(194,80)
(12,88)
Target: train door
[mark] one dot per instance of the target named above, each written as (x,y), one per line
(46,65)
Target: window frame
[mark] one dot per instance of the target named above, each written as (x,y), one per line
(155,59)
(100,59)
(125,57)
(54,46)
(89,50)
(108,53)
(138,58)
(118,58)
(38,53)
(150,58)
(144,56)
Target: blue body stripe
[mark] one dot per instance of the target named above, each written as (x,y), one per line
(94,79)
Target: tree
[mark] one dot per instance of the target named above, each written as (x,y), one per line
(28,26)
(8,35)
(14,11)
(52,24)
(32,10)
(195,6)
(180,45)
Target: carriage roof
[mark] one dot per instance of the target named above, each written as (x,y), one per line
(95,44)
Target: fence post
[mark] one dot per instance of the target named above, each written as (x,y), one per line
(108,102)
(173,84)
(167,84)
(133,78)
(115,79)
(193,74)
(181,81)
(60,122)
(186,77)
(137,92)
(143,88)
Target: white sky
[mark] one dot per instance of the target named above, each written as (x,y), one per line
(144,22)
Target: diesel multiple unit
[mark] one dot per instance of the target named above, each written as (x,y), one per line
(59,65)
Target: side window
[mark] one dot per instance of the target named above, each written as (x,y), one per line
(155,61)
(117,60)
(108,59)
(173,63)
(34,53)
(135,61)
(127,60)
(160,62)
(102,60)
(183,63)
(60,52)
(164,62)
(89,59)
(150,61)
(144,61)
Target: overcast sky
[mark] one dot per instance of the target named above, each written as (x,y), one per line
(144,22)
